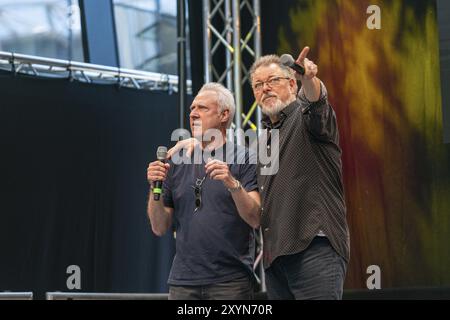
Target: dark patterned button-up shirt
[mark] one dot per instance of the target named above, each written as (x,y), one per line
(306,197)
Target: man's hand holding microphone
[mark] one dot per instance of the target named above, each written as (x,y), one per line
(157,172)
(160,216)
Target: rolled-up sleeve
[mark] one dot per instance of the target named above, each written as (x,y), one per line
(319,116)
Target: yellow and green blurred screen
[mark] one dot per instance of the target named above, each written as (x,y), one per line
(384,85)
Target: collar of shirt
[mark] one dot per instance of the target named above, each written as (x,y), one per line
(286,112)
(221,153)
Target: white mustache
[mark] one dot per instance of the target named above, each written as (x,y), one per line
(268,96)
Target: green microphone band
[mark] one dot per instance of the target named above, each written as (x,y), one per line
(157,190)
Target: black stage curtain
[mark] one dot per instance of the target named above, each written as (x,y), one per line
(73,186)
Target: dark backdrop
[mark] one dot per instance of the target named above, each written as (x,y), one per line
(73,186)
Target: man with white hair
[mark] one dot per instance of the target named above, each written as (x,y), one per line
(214,206)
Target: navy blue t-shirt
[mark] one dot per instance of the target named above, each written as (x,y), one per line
(213,244)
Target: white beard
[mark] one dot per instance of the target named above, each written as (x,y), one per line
(276,108)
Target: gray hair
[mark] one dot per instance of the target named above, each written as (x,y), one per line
(266,61)
(225,99)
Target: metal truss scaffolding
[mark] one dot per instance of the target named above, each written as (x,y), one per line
(222,32)
(87,72)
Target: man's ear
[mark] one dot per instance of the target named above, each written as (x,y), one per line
(293,85)
(225,116)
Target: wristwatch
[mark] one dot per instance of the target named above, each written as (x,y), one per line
(238,187)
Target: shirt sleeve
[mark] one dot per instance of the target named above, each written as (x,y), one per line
(319,116)
(247,173)
(167,188)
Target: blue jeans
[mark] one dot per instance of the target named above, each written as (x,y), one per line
(238,289)
(317,273)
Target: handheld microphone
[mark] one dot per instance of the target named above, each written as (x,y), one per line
(161,155)
(288,61)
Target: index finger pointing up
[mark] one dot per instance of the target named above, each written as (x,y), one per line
(302,55)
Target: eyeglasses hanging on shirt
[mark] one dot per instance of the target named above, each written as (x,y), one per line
(198,193)
(199,182)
